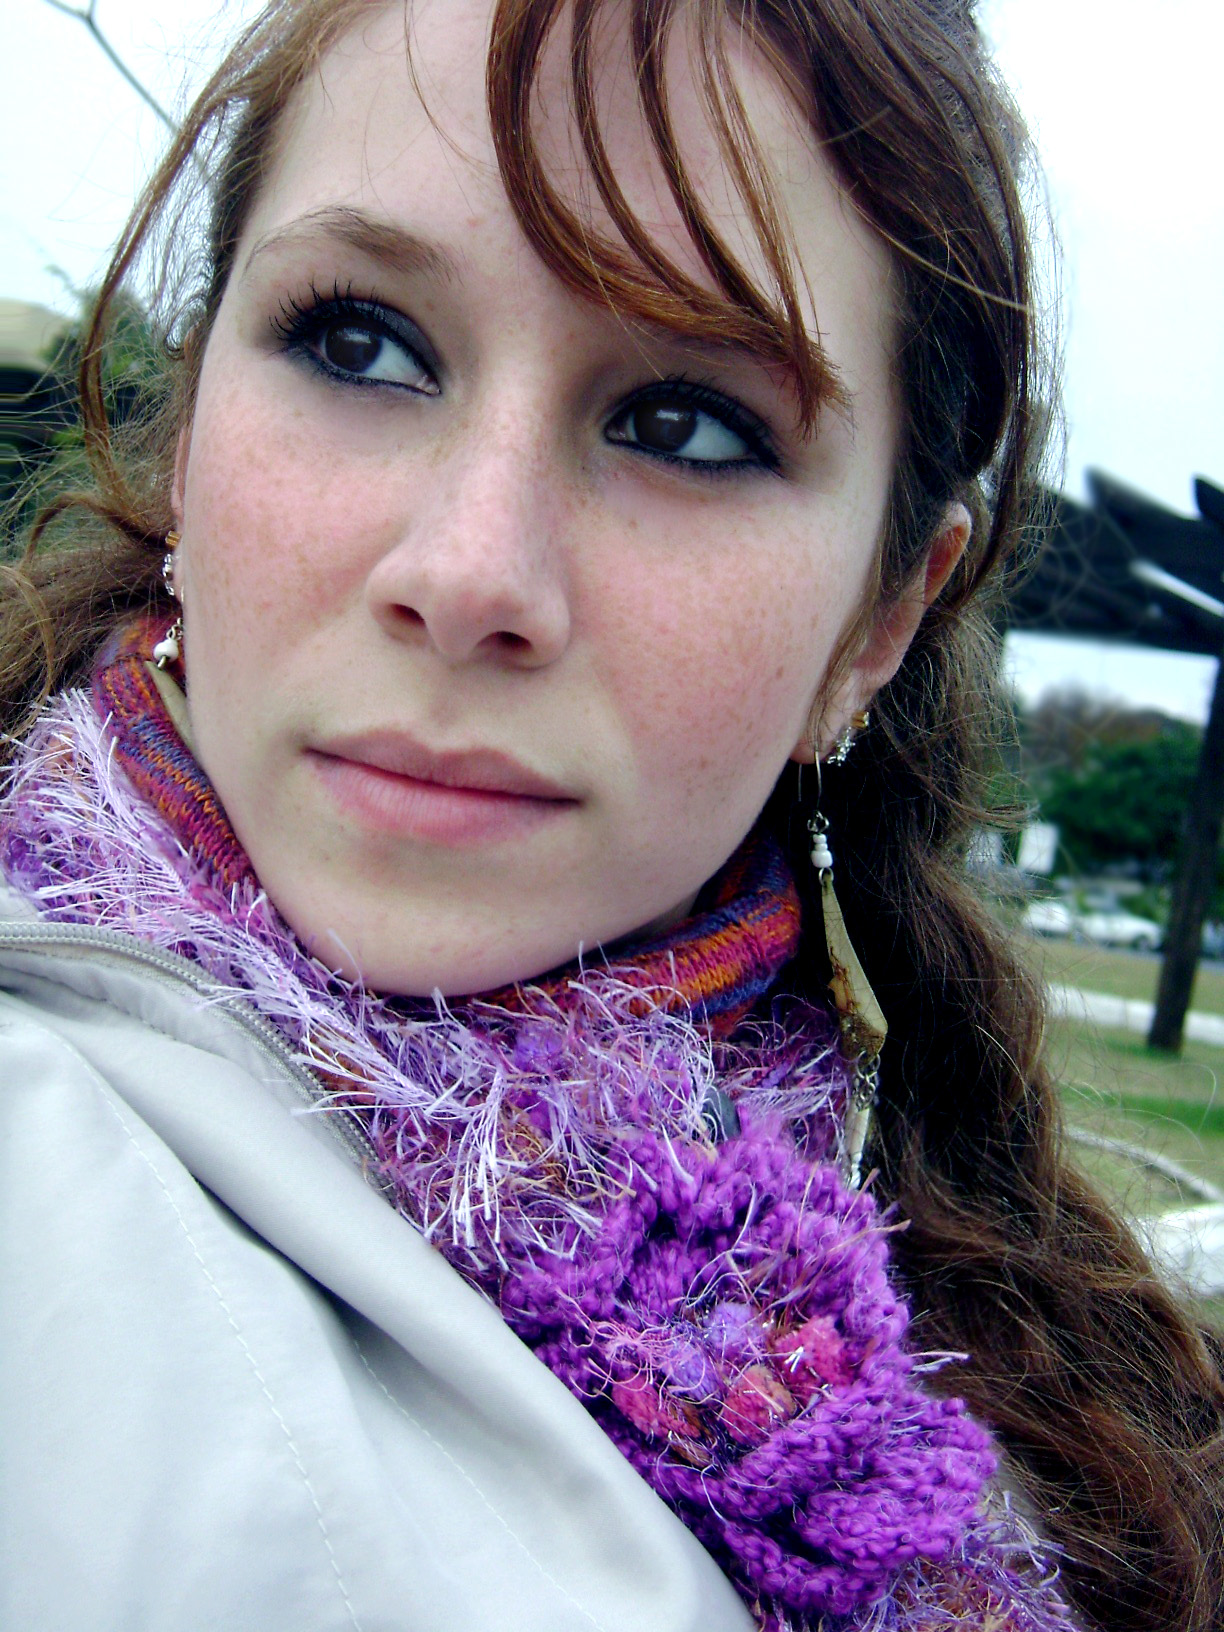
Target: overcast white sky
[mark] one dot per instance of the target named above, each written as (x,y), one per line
(1122,95)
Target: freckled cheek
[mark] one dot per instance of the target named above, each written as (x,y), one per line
(714,685)
(273,521)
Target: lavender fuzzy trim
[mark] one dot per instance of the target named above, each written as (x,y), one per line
(724,1310)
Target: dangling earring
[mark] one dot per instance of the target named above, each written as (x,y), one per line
(169,648)
(863,1026)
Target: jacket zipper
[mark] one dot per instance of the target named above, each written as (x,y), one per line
(106,943)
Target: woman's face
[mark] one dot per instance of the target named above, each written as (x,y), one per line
(503,612)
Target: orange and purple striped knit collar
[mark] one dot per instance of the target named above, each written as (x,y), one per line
(716,964)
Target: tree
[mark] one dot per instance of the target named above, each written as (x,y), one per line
(1069,722)
(1120,795)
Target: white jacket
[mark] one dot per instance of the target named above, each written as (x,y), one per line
(238,1390)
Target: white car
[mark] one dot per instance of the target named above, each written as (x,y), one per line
(1118,928)
(1049,918)
(1107,926)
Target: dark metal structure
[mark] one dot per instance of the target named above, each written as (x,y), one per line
(1124,568)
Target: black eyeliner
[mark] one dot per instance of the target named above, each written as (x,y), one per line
(298,323)
(707,398)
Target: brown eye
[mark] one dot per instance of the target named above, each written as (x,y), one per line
(365,352)
(703,434)
(341,341)
(349,347)
(656,425)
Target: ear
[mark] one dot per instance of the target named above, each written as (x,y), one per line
(893,627)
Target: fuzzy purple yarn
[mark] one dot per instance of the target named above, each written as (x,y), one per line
(837,1470)
(724,1309)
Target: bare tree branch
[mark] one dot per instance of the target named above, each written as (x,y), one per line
(89,18)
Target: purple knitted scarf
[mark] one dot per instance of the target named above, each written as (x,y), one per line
(705,1283)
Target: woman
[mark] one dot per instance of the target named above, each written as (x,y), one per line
(433,1144)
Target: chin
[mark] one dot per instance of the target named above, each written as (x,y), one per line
(434,941)
(456,968)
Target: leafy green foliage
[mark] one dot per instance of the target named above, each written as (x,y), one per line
(1125,801)
(1115,780)
(133,374)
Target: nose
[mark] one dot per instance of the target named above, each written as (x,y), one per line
(476,572)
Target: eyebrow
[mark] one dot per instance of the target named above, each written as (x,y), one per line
(393,246)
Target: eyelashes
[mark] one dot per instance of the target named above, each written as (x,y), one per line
(362,344)
(357,342)
(690,422)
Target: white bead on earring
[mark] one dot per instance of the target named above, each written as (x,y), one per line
(822,856)
(169,649)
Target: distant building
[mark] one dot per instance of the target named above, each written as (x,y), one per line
(1038,847)
(34,404)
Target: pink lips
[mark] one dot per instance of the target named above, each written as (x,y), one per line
(390,782)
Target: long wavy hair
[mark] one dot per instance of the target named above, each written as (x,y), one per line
(1105,1395)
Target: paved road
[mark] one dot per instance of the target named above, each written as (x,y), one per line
(1129,1013)
(1190,1245)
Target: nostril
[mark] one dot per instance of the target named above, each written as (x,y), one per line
(409,617)
(510,642)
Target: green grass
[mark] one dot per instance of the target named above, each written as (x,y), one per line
(1093,969)
(1201,1120)
(1122,1061)
(1113,1085)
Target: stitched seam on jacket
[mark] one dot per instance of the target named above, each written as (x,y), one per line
(234,1327)
(463,1473)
